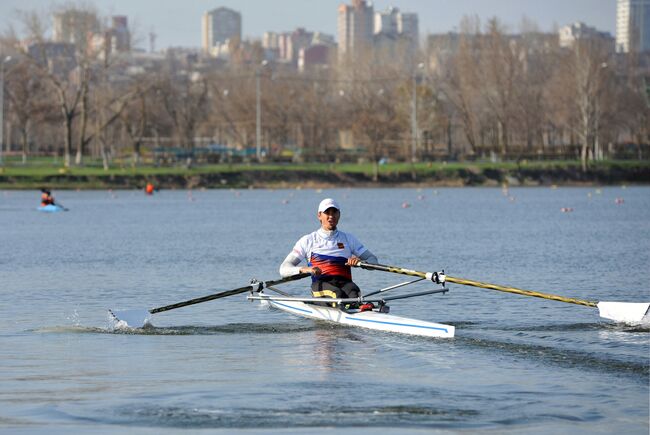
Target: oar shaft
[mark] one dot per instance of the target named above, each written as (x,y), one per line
(201,299)
(519,291)
(228,293)
(400,270)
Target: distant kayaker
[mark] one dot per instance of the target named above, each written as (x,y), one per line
(46,198)
(329,253)
(149,189)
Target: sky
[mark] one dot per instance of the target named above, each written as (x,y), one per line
(178,22)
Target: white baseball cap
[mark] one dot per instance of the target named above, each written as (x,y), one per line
(328,203)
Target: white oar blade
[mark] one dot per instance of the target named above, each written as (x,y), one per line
(625,312)
(130,318)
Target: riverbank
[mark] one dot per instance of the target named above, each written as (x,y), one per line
(17,176)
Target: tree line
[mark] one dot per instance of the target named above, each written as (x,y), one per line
(478,93)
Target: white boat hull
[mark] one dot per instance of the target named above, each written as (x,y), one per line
(366,319)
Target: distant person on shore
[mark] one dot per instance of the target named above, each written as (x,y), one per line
(46,198)
(149,189)
(329,253)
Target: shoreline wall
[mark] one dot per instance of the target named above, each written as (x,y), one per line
(278,178)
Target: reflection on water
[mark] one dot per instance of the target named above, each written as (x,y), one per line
(327,348)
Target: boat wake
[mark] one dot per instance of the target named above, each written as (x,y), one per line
(563,357)
(231,328)
(256,418)
(72,329)
(565,327)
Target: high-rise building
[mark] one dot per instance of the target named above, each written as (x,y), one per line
(355,28)
(407,26)
(633,26)
(569,34)
(300,39)
(386,22)
(270,40)
(115,39)
(396,33)
(314,56)
(120,37)
(218,26)
(74,27)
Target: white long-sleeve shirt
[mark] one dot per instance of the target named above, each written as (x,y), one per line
(327,250)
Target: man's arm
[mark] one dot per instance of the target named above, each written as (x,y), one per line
(290,267)
(359,252)
(369,257)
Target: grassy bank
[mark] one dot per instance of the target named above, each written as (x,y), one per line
(14,175)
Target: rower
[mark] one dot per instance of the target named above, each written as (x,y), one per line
(329,253)
(46,198)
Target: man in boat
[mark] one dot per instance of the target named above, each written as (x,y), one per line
(46,198)
(329,253)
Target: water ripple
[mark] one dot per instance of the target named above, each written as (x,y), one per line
(327,416)
(231,328)
(564,357)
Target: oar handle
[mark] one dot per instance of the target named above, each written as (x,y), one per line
(446,278)
(254,286)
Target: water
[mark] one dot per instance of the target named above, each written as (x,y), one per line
(517,364)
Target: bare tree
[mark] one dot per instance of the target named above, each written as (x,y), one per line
(65,66)
(298,109)
(499,69)
(232,103)
(277,98)
(135,118)
(530,103)
(317,112)
(184,99)
(375,112)
(28,101)
(109,104)
(580,82)
(459,83)
(631,104)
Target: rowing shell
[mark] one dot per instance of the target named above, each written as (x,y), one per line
(365,319)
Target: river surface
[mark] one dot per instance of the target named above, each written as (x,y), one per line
(517,364)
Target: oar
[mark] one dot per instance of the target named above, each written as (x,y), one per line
(626,312)
(137,318)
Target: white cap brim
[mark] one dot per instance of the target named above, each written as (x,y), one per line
(328,203)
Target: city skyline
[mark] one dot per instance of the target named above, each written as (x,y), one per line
(177,23)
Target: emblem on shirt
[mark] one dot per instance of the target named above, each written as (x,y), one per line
(340,245)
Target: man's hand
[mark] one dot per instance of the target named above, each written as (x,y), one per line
(313,270)
(353,261)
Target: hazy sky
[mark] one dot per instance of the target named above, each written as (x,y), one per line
(178,22)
